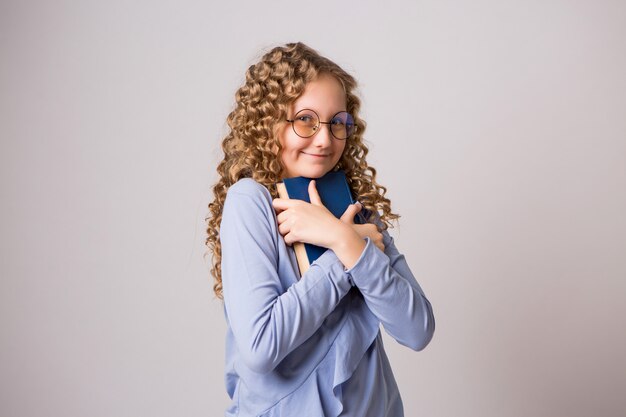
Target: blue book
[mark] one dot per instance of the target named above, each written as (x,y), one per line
(336,196)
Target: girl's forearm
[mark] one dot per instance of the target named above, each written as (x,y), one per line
(348,245)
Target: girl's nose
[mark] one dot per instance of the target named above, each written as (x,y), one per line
(322,137)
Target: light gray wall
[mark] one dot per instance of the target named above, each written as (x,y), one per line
(497,126)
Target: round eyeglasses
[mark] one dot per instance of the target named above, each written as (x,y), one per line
(306,123)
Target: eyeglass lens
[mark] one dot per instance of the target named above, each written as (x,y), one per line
(306,123)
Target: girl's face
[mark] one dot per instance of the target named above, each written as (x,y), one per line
(315,156)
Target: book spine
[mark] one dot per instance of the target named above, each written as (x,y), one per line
(298,247)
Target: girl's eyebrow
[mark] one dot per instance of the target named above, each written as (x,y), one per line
(317,111)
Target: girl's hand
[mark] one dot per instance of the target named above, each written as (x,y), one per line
(364,230)
(299,221)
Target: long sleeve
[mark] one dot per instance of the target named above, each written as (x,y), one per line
(269,321)
(393,294)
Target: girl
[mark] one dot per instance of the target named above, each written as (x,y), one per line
(310,345)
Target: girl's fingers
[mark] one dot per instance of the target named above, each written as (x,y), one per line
(314,195)
(283,203)
(283,229)
(288,239)
(351,211)
(282,216)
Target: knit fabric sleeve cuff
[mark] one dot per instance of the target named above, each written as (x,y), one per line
(369,263)
(334,268)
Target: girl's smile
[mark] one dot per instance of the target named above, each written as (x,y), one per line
(317,156)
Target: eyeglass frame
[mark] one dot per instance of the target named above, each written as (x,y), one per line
(315,130)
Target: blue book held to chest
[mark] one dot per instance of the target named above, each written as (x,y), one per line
(335,194)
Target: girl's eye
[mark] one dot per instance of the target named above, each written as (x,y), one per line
(305,118)
(337,122)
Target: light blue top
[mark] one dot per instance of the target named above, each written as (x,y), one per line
(312,345)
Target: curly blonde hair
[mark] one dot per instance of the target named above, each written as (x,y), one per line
(252,149)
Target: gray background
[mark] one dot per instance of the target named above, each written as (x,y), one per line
(497,126)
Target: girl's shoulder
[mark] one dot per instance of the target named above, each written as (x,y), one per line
(249,196)
(249,186)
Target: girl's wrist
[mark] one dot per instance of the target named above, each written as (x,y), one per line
(348,245)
